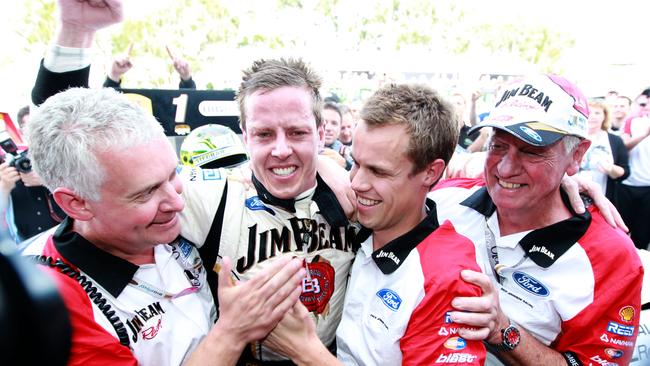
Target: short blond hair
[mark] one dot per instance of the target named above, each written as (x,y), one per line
(268,75)
(601,104)
(429,120)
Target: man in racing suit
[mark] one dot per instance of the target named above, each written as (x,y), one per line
(288,210)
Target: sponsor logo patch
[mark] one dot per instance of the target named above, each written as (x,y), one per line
(255,204)
(456,358)
(152,332)
(455,343)
(613,353)
(389,255)
(530,284)
(627,313)
(616,341)
(542,249)
(531,133)
(620,329)
(390,298)
(571,359)
(211,174)
(599,361)
(316,293)
(444,331)
(448,318)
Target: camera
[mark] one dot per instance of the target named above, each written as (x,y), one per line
(32,312)
(18,160)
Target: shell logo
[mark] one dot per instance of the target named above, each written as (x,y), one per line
(627,313)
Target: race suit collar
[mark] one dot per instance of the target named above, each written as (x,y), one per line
(110,272)
(546,245)
(389,257)
(287,204)
(328,204)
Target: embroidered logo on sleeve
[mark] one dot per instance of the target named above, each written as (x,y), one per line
(319,287)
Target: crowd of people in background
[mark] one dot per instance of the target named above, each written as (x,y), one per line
(286,192)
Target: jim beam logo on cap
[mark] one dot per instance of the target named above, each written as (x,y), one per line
(528,91)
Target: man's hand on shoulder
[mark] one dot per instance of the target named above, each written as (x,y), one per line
(338,179)
(574,185)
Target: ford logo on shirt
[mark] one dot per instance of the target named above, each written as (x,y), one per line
(530,284)
(390,298)
(255,204)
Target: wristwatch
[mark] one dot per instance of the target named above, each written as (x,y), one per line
(510,339)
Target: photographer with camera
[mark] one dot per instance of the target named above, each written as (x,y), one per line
(28,206)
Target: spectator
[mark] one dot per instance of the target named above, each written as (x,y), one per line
(347,125)
(23,117)
(332,124)
(640,108)
(634,192)
(467,119)
(568,284)
(355,107)
(606,160)
(26,205)
(620,110)
(610,97)
(122,64)
(332,98)
(113,171)
(30,208)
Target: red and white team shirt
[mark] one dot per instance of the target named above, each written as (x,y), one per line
(160,330)
(574,285)
(398,299)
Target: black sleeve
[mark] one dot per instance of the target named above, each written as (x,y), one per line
(110,83)
(620,155)
(187,84)
(49,83)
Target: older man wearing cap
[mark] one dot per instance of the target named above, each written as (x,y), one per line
(569,284)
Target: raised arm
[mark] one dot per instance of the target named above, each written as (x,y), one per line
(67,62)
(80,19)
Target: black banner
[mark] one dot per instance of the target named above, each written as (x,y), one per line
(182,110)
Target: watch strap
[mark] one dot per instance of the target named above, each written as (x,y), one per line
(510,337)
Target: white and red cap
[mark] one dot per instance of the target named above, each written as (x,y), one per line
(540,110)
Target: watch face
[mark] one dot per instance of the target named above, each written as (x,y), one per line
(511,337)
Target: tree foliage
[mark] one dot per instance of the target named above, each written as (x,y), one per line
(200,30)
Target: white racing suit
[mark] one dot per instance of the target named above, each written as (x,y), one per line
(255,231)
